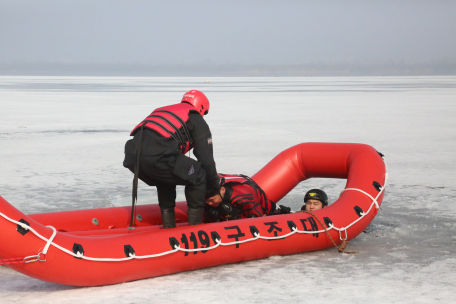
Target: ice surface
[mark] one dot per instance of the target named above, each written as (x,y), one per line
(61,146)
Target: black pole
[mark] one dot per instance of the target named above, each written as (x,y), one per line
(134,194)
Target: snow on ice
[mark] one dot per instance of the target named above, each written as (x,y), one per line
(62,142)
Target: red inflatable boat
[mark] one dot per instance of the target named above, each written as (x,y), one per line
(95,247)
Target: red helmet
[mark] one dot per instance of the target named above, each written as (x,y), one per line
(198,100)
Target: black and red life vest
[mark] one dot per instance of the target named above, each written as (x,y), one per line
(251,201)
(170,121)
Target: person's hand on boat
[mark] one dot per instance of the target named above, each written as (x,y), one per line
(281,209)
(211,214)
(228,212)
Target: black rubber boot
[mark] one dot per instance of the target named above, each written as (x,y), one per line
(168,218)
(195,216)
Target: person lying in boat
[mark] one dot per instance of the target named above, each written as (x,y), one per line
(314,200)
(239,197)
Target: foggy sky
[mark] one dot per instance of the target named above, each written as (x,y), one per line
(227,32)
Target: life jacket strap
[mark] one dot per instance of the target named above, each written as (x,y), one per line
(184,126)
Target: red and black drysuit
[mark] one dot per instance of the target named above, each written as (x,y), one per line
(160,142)
(243,198)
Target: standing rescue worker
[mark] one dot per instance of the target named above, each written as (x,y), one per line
(239,197)
(156,155)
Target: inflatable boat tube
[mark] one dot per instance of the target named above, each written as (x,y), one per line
(95,247)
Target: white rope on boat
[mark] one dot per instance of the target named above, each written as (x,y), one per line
(49,241)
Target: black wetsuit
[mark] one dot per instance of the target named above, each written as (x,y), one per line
(161,164)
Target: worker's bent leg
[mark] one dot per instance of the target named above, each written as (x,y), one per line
(167,202)
(195,195)
(168,218)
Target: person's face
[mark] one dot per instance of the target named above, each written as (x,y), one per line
(214,201)
(313,205)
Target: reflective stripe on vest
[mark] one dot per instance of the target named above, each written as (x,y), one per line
(170,121)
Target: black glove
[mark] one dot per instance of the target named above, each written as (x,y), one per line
(211,214)
(281,209)
(228,212)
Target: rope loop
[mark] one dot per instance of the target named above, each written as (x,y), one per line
(340,248)
(35,258)
(49,241)
(340,235)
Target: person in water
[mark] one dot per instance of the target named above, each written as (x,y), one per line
(314,200)
(239,197)
(156,155)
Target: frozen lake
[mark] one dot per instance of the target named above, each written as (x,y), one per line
(61,145)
